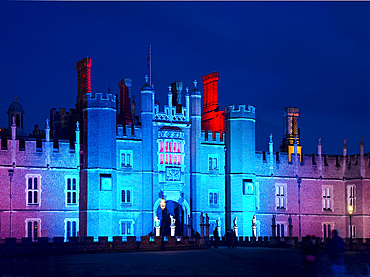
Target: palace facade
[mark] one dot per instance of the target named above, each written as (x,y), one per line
(102,170)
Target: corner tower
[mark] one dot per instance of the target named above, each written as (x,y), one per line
(98,176)
(241,186)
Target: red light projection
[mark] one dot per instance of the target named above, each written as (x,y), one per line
(212,118)
(125,116)
(83,68)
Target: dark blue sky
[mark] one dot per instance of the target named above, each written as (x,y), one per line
(313,55)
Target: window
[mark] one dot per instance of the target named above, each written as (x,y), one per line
(126,196)
(126,158)
(327,229)
(71,228)
(212,162)
(33,189)
(171,146)
(353,231)
(327,199)
(281,228)
(71,190)
(126,228)
(33,228)
(351,196)
(213,197)
(280,199)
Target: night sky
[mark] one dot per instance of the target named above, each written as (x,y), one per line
(312,55)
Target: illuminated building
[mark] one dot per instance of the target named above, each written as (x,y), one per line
(111,179)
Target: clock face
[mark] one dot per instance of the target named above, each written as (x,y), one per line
(128,82)
(248,188)
(106,183)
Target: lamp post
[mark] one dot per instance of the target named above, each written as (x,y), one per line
(299,180)
(162,204)
(11,174)
(350,211)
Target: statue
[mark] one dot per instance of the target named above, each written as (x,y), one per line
(273,220)
(207,219)
(172,220)
(201,218)
(290,220)
(254,227)
(157,221)
(218,221)
(234,221)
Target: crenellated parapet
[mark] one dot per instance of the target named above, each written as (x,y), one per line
(212,137)
(100,100)
(240,112)
(169,114)
(129,132)
(313,165)
(30,153)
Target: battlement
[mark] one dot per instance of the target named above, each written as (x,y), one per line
(240,112)
(100,99)
(129,132)
(31,152)
(62,111)
(212,137)
(327,166)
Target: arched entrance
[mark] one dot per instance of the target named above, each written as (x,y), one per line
(175,209)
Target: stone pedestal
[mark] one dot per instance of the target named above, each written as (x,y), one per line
(254,231)
(236,231)
(207,230)
(201,230)
(290,231)
(219,231)
(189,230)
(273,230)
(173,229)
(157,231)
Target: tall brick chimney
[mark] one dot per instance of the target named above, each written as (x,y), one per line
(83,81)
(125,115)
(212,118)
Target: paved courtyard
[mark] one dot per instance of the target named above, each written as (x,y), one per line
(211,262)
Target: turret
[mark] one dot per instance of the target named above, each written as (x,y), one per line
(240,166)
(170,103)
(147,115)
(16,110)
(195,144)
(271,153)
(100,138)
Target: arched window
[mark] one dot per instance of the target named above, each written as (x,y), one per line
(128,196)
(123,196)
